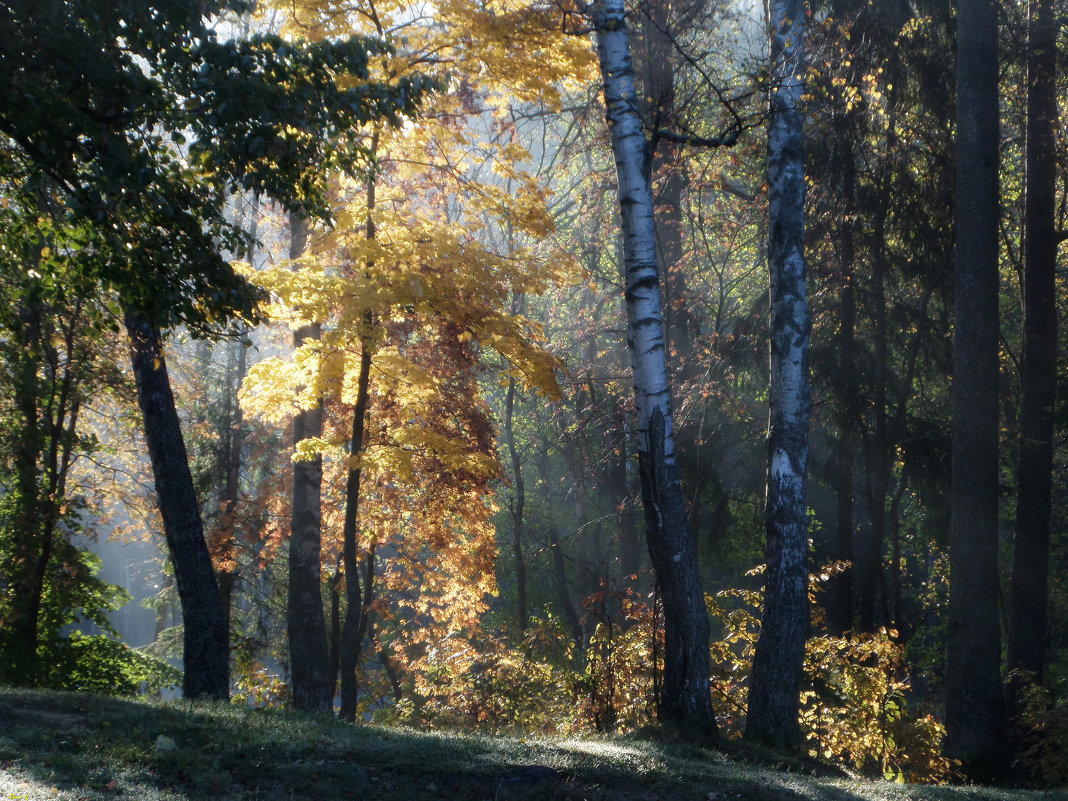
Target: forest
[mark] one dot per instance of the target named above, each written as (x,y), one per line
(547,366)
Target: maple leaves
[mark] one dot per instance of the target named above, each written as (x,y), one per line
(416,277)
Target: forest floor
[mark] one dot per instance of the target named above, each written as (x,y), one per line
(73,746)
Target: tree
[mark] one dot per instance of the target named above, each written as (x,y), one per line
(685,697)
(1028,619)
(974,716)
(777,662)
(98,101)
(308,653)
(53,344)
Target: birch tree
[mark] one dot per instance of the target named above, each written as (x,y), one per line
(685,695)
(777,663)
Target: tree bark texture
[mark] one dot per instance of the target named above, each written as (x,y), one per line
(974,708)
(309,660)
(777,663)
(1038,367)
(206,639)
(686,700)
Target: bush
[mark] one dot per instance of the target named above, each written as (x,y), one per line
(854,707)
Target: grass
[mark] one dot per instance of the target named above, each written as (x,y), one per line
(73,746)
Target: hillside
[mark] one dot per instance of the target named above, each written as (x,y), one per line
(73,746)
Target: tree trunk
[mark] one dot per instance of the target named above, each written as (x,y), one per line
(309,660)
(848,386)
(974,708)
(351,632)
(235,442)
(777,663)
(686,701)
(658,83)
(879,448)
(206,638)
(1038,367)
(32,549)
(516,508)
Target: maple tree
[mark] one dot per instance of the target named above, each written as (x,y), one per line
(418,291)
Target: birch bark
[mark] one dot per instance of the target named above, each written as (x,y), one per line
(685,697)
(777,662)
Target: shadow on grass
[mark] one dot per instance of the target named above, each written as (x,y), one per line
(86,747)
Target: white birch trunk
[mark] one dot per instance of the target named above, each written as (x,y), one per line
(685,698)
(777,664)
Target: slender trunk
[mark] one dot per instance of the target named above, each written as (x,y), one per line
(516,507)
(350,635)
(32,551)
(335,626)
(622,494)
(563,589)
(974,708)
(894,613)
(686,701)
(206,638)
(1028,638)
(777,661)
(355,623)
(658,84)
(309,659)
(878,446)
(235,442)
(847,374)
(843,582)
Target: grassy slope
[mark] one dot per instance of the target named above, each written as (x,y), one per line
(70,746)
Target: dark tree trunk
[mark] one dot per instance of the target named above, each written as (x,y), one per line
(335,626)
(777,662)
(623,496)
(563,589)
(351,634)
(32,545)
(658,80)
(1038,367)
(843,582)
(516,507)
(206,638)
(235,442)
(974,708)
(309,660)
(848,387)
(686,700)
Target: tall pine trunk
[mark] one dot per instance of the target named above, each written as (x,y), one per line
(777,662)
(309,660)
(685,700)
(206,639)
(974,708)
(1038,367)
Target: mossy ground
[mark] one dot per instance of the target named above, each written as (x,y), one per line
(74,746)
